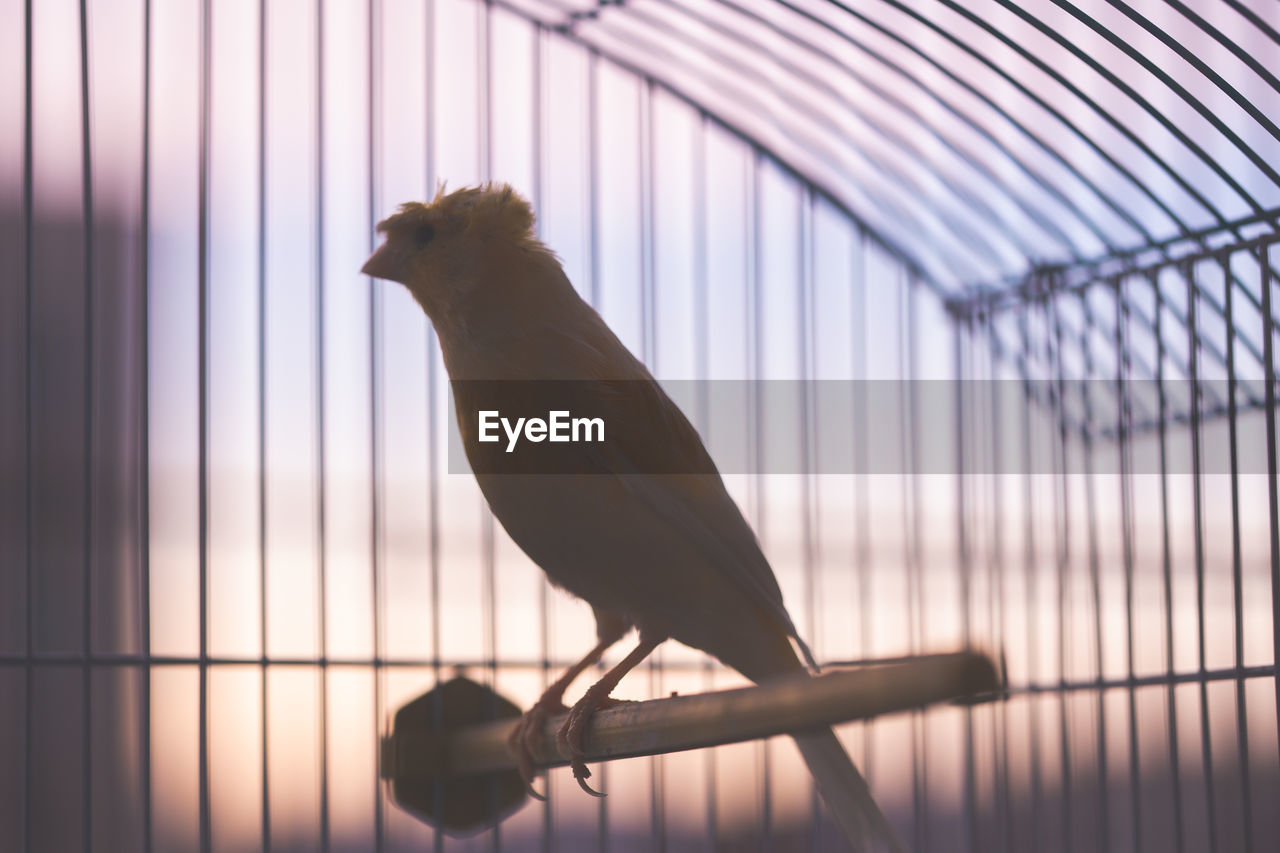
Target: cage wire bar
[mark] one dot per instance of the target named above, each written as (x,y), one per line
(1128,322)
(1071,192)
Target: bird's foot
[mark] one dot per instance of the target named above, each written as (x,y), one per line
(526,733)
(570,738)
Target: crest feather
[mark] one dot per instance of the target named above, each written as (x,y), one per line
(488,210)
(409,214)
(493,207)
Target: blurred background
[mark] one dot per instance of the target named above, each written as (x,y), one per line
(231,544)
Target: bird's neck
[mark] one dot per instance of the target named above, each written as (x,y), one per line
(487,331)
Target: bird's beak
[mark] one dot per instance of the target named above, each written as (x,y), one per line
(387,262)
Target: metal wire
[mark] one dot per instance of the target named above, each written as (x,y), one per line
(1031,582)
(604,24)
(145,427)
(1192,274)
(321,459)
(1020,227)
(1124,431)
(1237,568)
(433,439)
(374,23)
(86,184)
(1206,744)
(1171,703)
(202,368)
(911,548)
(1273,501)
(1000,722)
(809,499)
(264,720)
(754,235)
(28,222)
(537,149)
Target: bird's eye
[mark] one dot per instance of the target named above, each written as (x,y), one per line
(422,234)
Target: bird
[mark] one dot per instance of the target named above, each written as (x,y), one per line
(640,525)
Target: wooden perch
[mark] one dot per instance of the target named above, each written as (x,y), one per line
(706,719)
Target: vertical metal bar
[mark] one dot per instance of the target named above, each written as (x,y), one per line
(429,110)
(593,205)
(958,328)
(702,356)
(28,213)
(965,567)
(1206,746)
(263,686)
(1124,415)
(86,178)
(1166,554)
(484,155)
(322,563)
(433,526)
(861,497)
(755,261)
(1237,568)
(544,586)
(972,456)
(1062,559)
(993,440)
(433,413)
(805,299)
(1273,500)
(536,141)
(28,274)
(648,342)
(602,811)
(485,85)
(593,176)
(489,637)
(1001,712)
(966,577)
(206,829)
(488,552)
(752,261)
(911,544)
(1032,584)
(144,371)
(1095,582)
(373,10)
(649,354)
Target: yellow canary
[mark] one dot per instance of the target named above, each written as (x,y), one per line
(639,525)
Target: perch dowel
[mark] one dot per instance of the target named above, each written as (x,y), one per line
(711,719)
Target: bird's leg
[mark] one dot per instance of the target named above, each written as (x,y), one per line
(571,734)
(552,701)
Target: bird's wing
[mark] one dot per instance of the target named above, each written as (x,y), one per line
(660,460)
(651,448)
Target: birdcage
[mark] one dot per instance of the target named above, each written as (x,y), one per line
(234,539)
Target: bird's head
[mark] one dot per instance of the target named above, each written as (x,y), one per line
(446,249)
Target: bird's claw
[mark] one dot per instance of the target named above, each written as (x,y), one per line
(580,774)
(569,740)
(525,731)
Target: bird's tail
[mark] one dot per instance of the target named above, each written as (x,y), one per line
(846,793)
